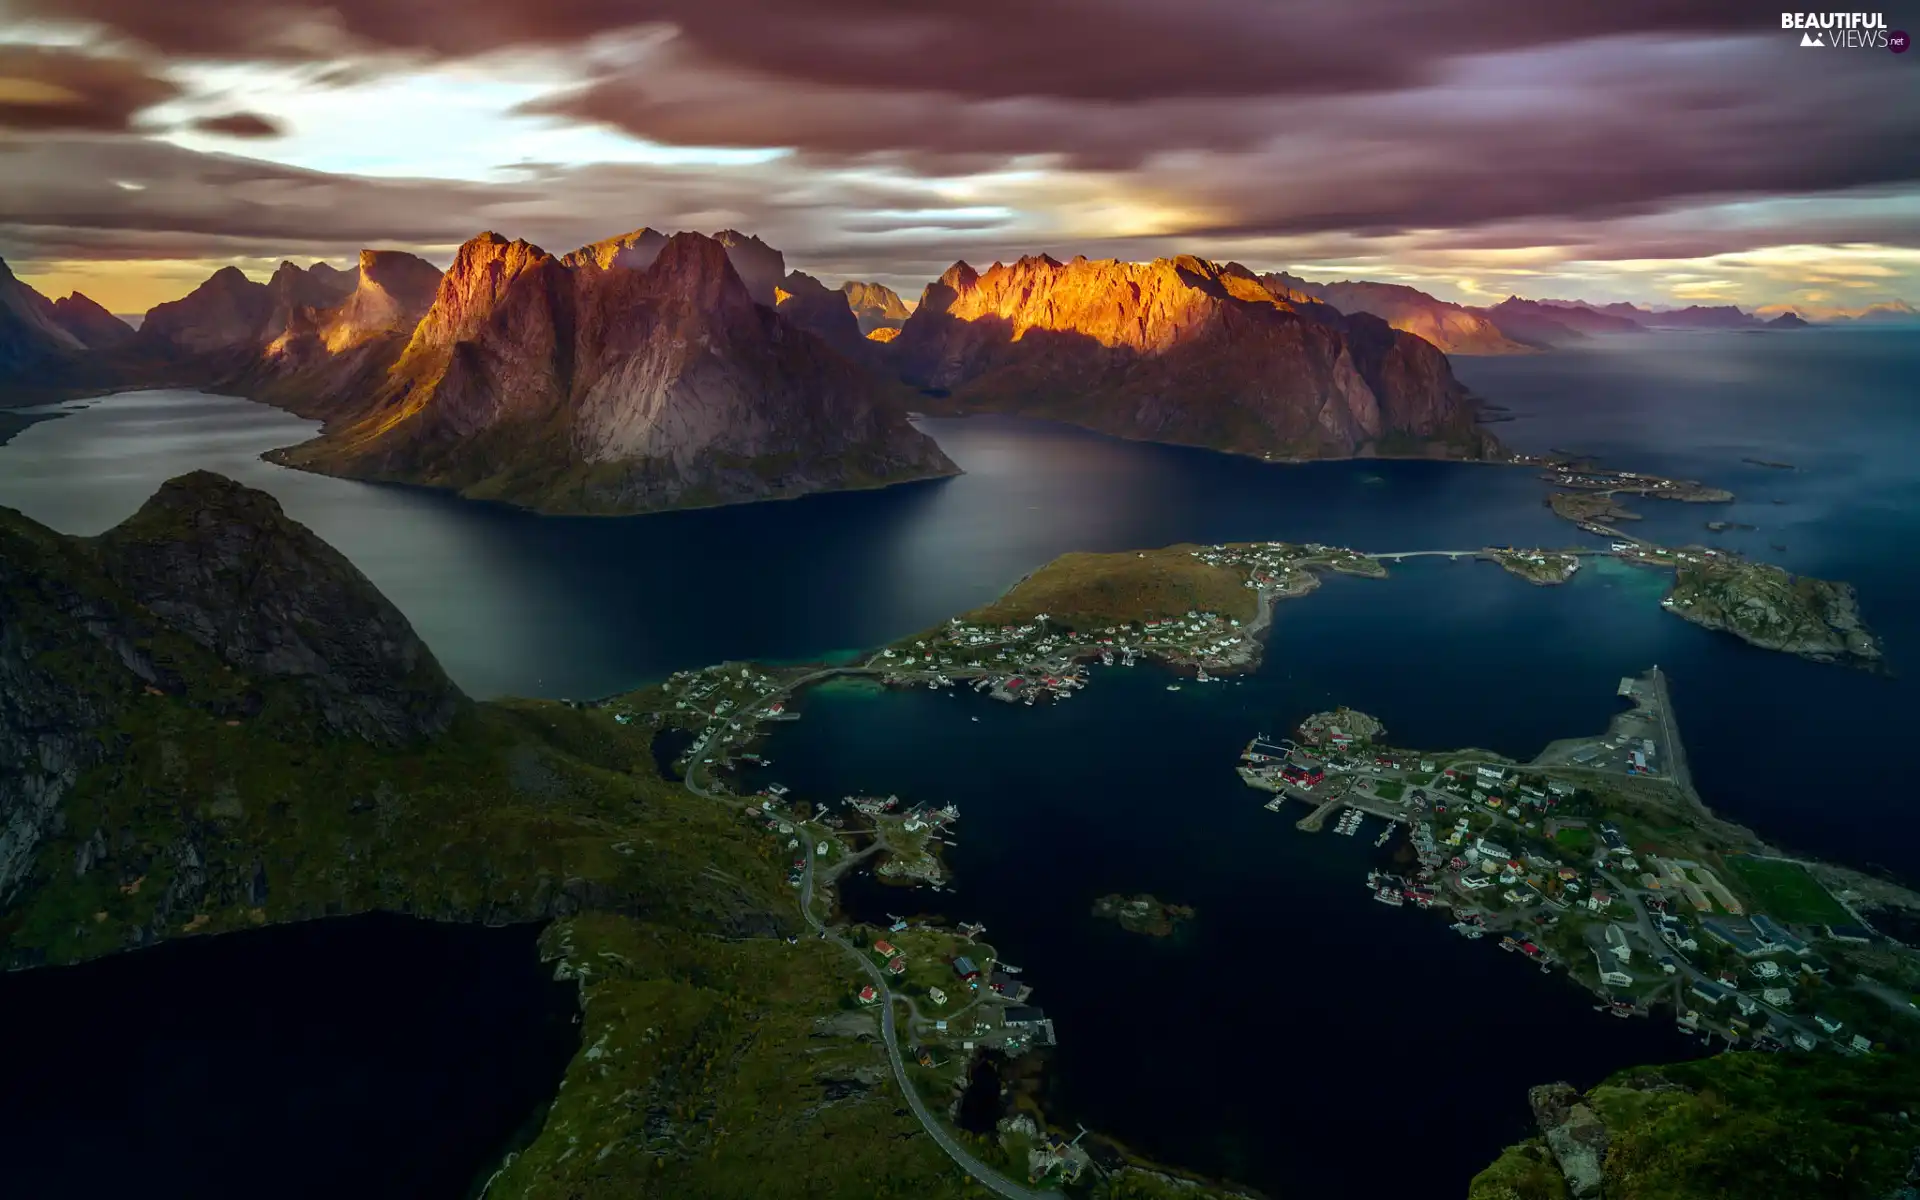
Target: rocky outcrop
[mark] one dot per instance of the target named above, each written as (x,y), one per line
(222,565)
(207,578)
(606,388)
(1182,350)
(1454,328)
(1575,1135)
(875,306)
(93,326)
(808,304)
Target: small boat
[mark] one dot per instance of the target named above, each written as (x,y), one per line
(976,718)
(1389,896)
(1173,687)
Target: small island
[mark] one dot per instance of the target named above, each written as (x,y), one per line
(1546,567)
(1143,914)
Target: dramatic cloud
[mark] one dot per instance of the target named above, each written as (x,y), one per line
(238,125)
(46,88)
(1469,143)
(1083,49)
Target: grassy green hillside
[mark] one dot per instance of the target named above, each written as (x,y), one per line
(1742,1126)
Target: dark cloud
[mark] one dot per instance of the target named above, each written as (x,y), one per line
(239,125)
(46,88)
(1084,49)
(1608,129)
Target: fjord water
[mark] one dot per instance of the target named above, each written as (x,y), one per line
(374,1056)
(1300,1037)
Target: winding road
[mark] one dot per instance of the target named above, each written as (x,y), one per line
(989,1178)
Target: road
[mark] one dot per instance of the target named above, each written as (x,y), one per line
(1651,936)
(989,1178)
(714,720)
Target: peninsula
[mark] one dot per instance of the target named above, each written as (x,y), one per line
(1599,857)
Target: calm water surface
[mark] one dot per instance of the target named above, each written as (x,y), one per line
(372,1056)
(1289,1040)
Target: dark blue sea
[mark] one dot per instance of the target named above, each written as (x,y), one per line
(1302,1038)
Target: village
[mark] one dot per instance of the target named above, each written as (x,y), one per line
(1597,860)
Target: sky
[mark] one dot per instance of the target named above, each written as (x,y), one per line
(1661,151)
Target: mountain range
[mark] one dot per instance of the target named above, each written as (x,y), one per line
(653,370)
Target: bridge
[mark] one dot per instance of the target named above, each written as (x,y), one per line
(1483,552)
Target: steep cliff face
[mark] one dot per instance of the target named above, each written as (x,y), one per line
(760,266)
(323,355)
(208,597)
(92,325)
(605,388)
(875,305)
(1451,327)
(1182,350)
(31,338)
(808,304)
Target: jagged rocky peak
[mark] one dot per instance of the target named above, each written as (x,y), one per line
(226,311)
(221,564)
(94,326)
(875,306)
(483,271)
(761,267)
(319,286)
(703,272)
(810,304)
(634,251)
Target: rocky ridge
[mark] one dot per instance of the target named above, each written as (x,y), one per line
(1183,350)
(206,572)
(1454,328)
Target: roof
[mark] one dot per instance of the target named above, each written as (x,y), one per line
(884,947)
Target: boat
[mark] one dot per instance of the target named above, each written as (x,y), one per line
(1384,835)
(1173,687)
(1389,896)
(976,718)
(1106,657)
(1203,677)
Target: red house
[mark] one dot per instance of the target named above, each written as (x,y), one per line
(885,949)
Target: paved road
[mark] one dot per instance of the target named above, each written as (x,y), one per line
(1651,935)
(713,721)
(989,1178)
